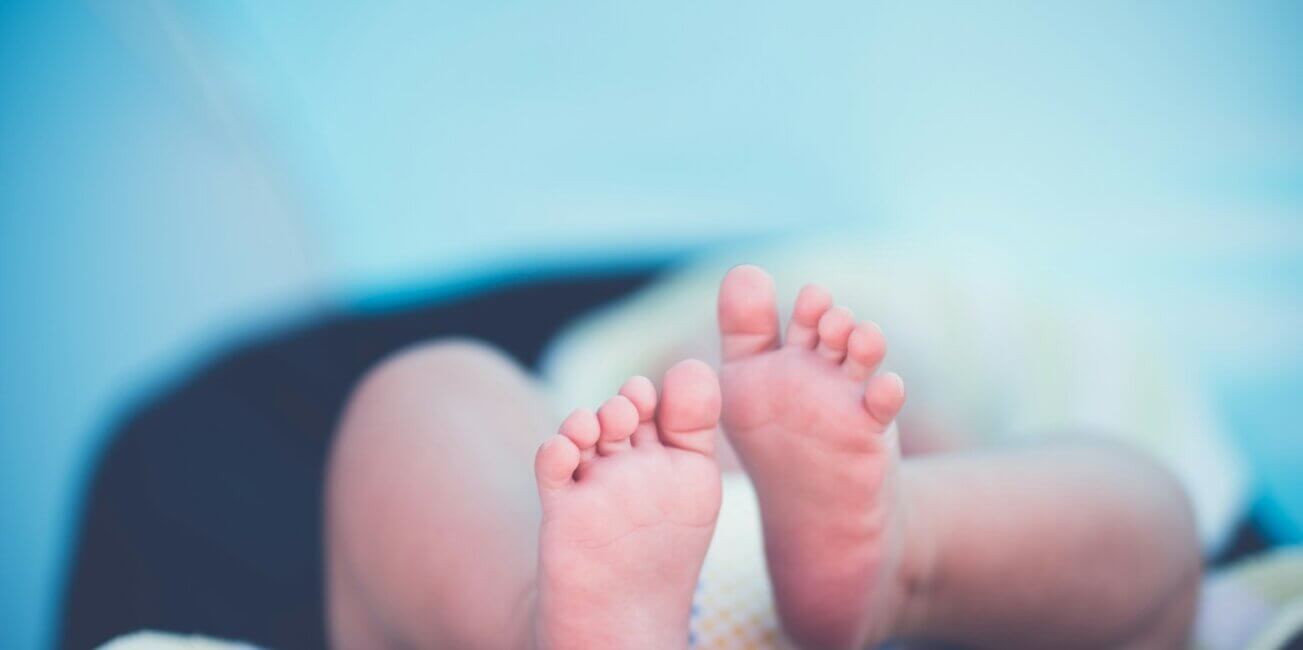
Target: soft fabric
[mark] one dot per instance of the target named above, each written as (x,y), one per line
(734,606)
(1255,604)
(150,640)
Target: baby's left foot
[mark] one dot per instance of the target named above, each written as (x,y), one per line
(630,496)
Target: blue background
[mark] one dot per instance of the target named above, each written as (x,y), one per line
(175,174)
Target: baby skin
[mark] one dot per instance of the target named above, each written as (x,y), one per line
(630,496)
(812,424)
(1064,545)
(1068,545)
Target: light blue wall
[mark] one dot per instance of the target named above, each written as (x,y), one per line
(169,172)
(134,232)
(533,124)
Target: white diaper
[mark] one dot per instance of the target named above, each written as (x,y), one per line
(733,606)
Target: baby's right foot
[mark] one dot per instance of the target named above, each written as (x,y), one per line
(630,496)
(811,423)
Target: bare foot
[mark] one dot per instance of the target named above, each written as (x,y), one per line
(630,496)
(811,422)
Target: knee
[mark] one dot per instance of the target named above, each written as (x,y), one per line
(404,400)
(381,477)
(403,414)
(457,353)
(442,360)
(416,379)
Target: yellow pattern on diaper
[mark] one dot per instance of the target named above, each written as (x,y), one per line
(733,607)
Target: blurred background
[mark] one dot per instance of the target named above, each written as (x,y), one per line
(174,176)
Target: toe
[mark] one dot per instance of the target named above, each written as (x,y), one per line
(748,315)
(884,396)
(555,463)
(689,408)
(642,393)
(618,417)
(864,350)
(834,330)
(811,303)
(581,428)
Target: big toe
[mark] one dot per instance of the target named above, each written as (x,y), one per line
(748,313)
(689,408)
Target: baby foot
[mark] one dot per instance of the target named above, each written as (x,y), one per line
(811,423)
(630,496)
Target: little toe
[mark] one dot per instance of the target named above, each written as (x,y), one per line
(689,408)
(884,396)
(748,314)
(864,350)
(642,393)
(811,303)
(618,418)
(582,429)
(555,463)
(834,330)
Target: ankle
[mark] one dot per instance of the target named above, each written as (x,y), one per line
(650,621)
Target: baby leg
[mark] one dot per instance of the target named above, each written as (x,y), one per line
(1072,544)
(432,513)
